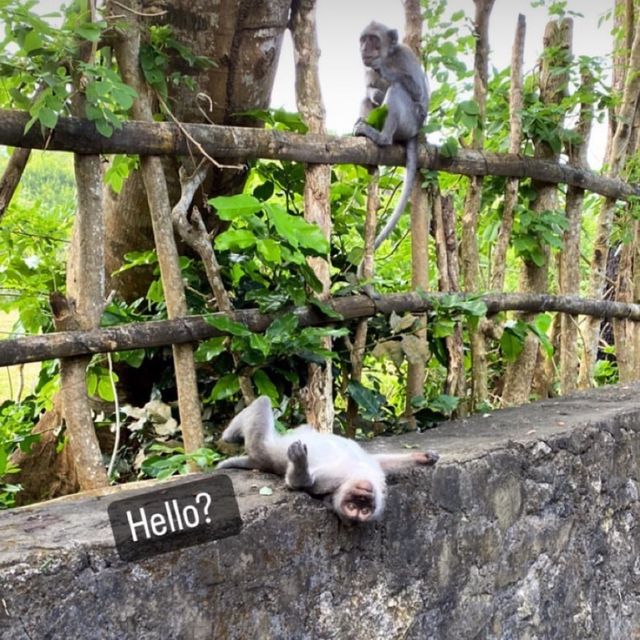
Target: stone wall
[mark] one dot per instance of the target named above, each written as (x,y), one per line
(526,528)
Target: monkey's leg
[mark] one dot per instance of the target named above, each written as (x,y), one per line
(297,475)
(391,462)
(255,426)
(237,462)
(379,137)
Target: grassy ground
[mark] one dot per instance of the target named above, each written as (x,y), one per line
(12,379)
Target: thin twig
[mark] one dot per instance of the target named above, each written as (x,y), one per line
(116,443)
(199,147)
(142,14)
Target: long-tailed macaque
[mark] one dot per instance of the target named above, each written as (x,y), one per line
(396,80)
(323,465)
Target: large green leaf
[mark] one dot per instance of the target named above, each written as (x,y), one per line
(226,324)
(369,401)
(265,386)
(296,230)
(241,205)
(235,240)
(225,387)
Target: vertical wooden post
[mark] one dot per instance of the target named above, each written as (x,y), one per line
(82,308)
(419,230)
(127,52)
(469,243)
(554,80)
(318,399)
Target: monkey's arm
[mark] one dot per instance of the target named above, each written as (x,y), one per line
(391,462)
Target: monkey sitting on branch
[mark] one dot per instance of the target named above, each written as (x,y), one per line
(396,81)
(322,464)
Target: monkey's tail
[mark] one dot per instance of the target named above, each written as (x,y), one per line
(405,194)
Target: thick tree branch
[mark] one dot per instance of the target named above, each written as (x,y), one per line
(66,344)
(244,143)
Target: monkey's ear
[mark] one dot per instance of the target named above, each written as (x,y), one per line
(393,36)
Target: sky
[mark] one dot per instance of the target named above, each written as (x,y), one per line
(342,75)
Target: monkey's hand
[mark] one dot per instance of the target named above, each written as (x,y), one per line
(426,457)
(297,453)
(297,475)
(367,288)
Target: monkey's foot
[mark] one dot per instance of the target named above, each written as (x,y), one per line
(360,128)
(426,457)
(297,452)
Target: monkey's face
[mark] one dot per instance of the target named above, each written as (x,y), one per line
(371,50)
(357,502)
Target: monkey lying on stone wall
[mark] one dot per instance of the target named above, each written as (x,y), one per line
(396,80)
(322,464)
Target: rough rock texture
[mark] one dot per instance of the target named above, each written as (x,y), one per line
(527,528)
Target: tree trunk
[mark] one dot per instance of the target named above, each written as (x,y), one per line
(82,309)
(448,281)
(243,39)
(569,258)
(616,158)
(516,105)
(419,232)
(553,87)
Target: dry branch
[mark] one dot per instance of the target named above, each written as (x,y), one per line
(246,143)
(193,232)
(67,344)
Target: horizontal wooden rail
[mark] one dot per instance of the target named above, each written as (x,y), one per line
(239,144)
(192,329)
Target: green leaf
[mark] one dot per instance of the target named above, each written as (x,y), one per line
(209,349)
(369,401)
(226,324)
(297,231)
(241,205)
(105,389)
(32,41)
(281,329)
(270,250)
(444,404)
(449,148)
(326,309)
(512,340)
(92,383)
(47,117)
(133,358)
(226,387)
(377,117)
(259,343)
(104,128)
(235,240)
(265,386)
